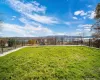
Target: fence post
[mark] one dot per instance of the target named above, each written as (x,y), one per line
(89,43)
(1,46)
(15,43)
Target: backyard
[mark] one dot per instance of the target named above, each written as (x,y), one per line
(51,63)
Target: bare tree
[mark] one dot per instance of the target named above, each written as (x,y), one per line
(96,27)
(97,11)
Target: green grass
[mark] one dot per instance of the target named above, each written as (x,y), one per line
(51,63)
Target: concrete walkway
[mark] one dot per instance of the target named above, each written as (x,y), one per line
(5,53)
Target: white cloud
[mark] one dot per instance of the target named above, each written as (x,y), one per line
(26,31)
(12,28)
(42,19)
(91,14)
(32,11)
(67,23)
(29,30)
(81,12)
(26,7)
(59,33)
(78,29)
(79,33)
(36,3)
(84,27)
(73,22)
(74,17)
(84,15)
(23,20)
(77,12)
(28,22)
(13,17)
(0,32)
(89,6)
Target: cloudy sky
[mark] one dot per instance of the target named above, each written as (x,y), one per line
(46,17)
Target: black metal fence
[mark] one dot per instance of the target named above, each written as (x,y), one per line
(10,44)
(93,43)
(7,44)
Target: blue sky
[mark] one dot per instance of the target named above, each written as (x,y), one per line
(46,17)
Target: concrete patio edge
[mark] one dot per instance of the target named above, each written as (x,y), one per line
(8,52)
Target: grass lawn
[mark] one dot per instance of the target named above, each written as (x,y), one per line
(51,63)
